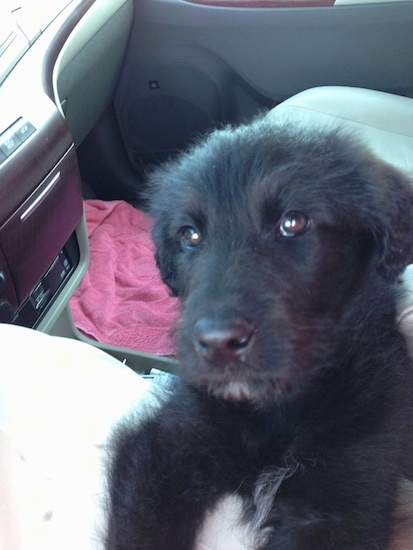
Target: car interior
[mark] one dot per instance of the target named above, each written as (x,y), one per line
(93,95)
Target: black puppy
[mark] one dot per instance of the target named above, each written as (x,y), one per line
(285,247)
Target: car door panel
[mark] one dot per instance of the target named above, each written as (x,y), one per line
(190,66)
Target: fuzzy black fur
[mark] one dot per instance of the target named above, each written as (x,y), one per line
(285,247)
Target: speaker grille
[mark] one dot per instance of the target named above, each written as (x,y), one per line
(163,123)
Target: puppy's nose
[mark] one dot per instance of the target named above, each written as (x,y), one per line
(224,339)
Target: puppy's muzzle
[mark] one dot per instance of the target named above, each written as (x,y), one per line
(223,339)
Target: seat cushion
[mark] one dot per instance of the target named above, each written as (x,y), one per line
(384,121)
(59,399)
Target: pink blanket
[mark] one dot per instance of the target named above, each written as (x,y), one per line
(122,300)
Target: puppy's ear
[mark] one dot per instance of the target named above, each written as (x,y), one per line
(159,195)
(394,223)
(165,256)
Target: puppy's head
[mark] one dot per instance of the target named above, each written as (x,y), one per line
(277,241)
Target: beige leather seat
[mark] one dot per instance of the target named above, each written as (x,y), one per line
(59,399)
(384,121)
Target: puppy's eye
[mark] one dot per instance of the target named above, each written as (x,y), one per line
(292,224)
(190,237)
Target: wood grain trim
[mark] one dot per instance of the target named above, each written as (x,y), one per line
(33,236)
(33,205)
(263,3)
